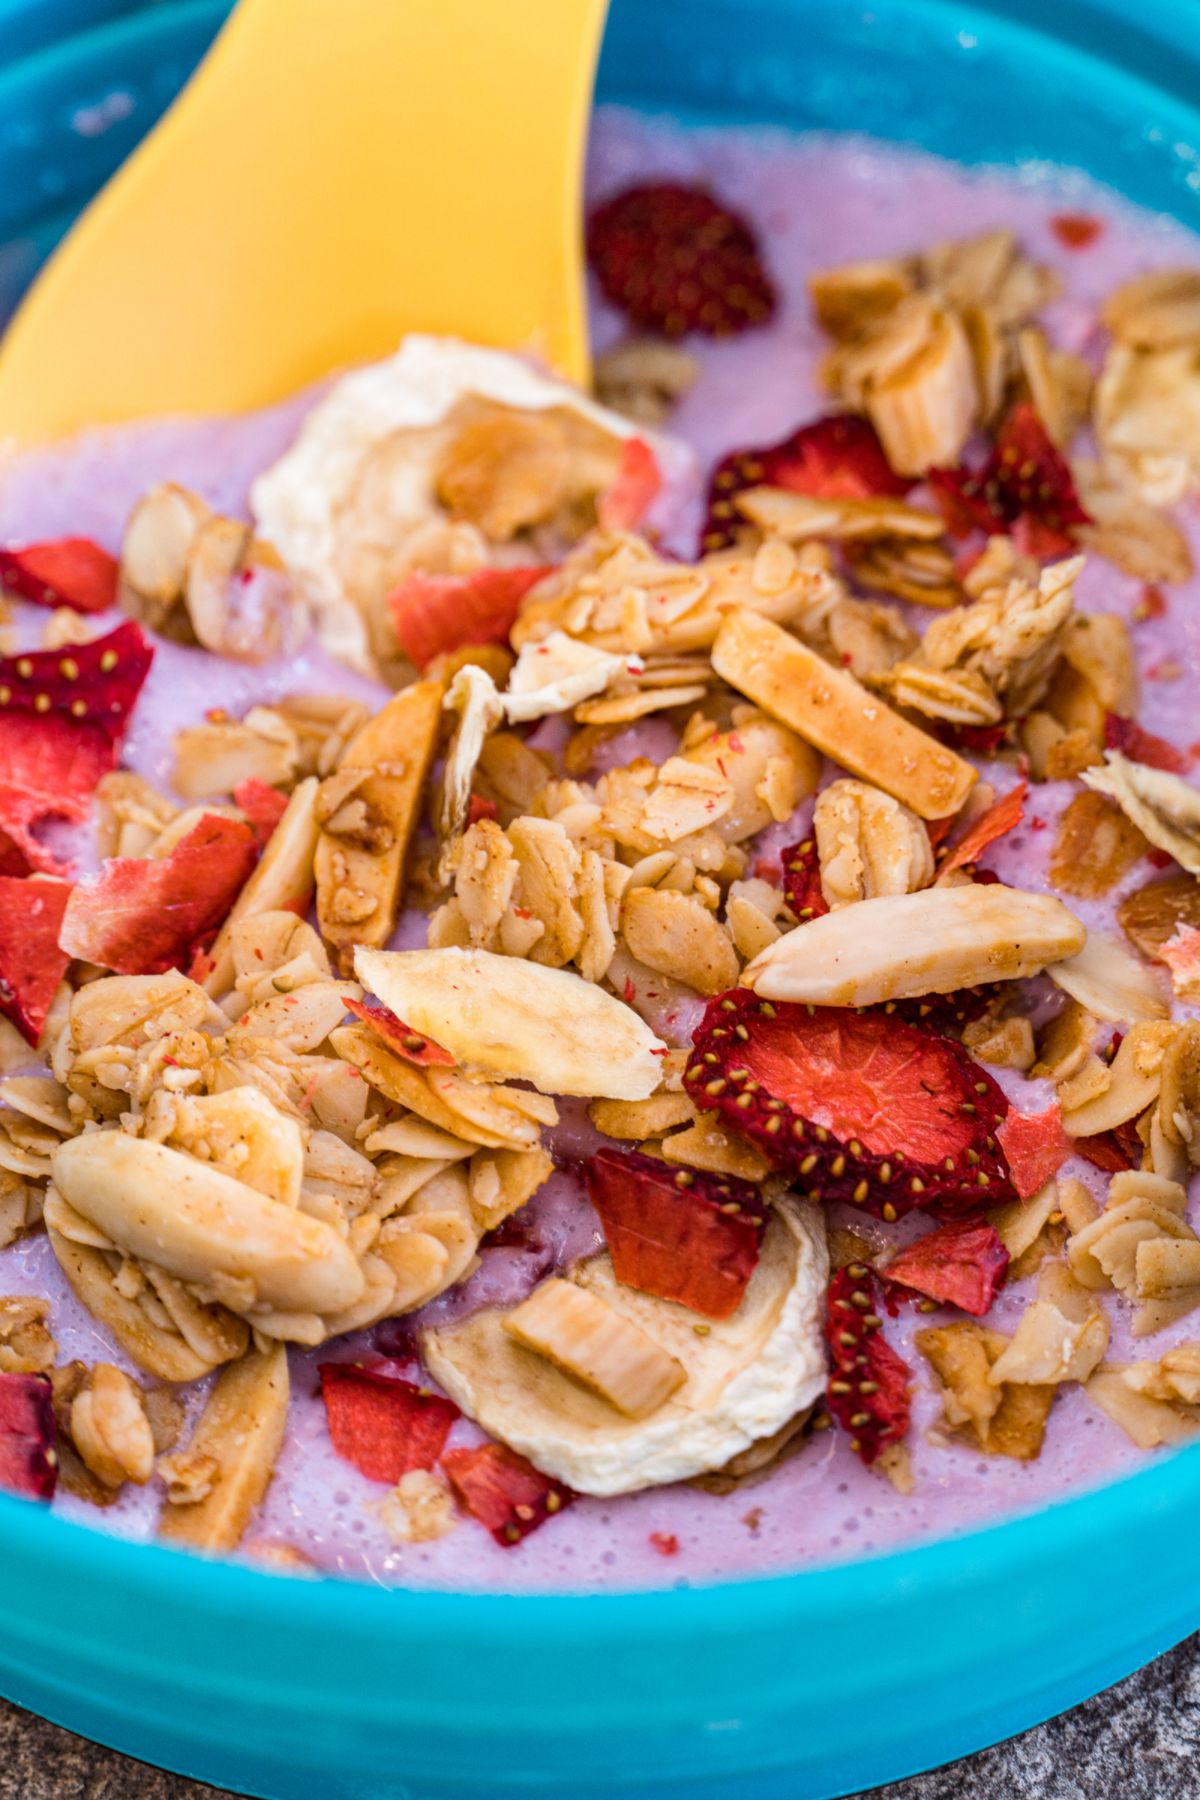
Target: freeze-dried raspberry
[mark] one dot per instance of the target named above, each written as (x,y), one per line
(674,259)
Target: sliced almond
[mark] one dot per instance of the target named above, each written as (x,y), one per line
(1111,982)
(833,711)
(581,1334)
(197,1222)
(241,1429)
(515,1020)
(903,945)
(283,881)
(158,1349)
(360,882)
(1162,806)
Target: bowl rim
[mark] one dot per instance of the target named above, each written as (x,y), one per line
(1085,1518)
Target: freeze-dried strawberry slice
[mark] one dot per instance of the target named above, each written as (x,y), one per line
(412,1045)
(434,614)
(384,1425)
(802,880)
(1141,746)
(685,1236)
(837,457)
(1003,816)
(860,1105)
(31,963)
(674,259)
(1105,1151)
(1035,1148)
(141,915)
(1025,487)
(636,486)
(62,716)
(960,1264)
(868,1391)
(945,1012)
(28,1436)
(71,571)
(97,681)
(263,806)
(504,1491)
(49,768)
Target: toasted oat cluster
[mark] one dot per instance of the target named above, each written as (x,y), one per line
(698,846)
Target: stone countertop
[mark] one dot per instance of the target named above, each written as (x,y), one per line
(1140,1741)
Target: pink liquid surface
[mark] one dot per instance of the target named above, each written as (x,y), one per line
(817,202)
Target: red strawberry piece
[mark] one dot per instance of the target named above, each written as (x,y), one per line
(665,1542)
(674,259)
(434,614)
(637,485)
(802,881)
(70,571)
(384,1425)
(975,740)
(62,716)
(861,1106)
(1104,1151)
(141,915)
(960,1264)
(412,1045)
(31,963)
(1075,231)
(868,1391)
(96,682)
(1127,736)
(263,806)
(479,808)
(837,457)
(945,1012)
(28,1436)
(685,1236)
(1181,954)
(1025,487)
(504,1491)
(1000,818)
(1035,1148)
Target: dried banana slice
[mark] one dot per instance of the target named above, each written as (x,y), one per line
(746,1376)
(362,475)
(515,1020)
(902,945)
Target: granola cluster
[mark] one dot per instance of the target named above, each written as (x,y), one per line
(701,843)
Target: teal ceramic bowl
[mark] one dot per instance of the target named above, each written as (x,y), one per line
(805,1686)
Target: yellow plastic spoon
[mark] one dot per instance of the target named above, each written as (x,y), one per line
(337,173)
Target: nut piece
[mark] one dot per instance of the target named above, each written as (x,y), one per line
(1062,1335)
(676,935)
(904,945)
(241,1429)
(198,1223)
(363,846)
(1162,806)
(1096,845)
(515,1020)
(1111,982)
(282,881)
(831,710)
(110,1429)
(582,1335)
(868,844)
(419,1508)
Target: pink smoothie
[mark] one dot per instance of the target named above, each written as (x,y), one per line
(817,202)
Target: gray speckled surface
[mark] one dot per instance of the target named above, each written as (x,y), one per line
(1140,1741)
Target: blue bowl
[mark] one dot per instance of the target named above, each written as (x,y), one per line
(813,1684)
